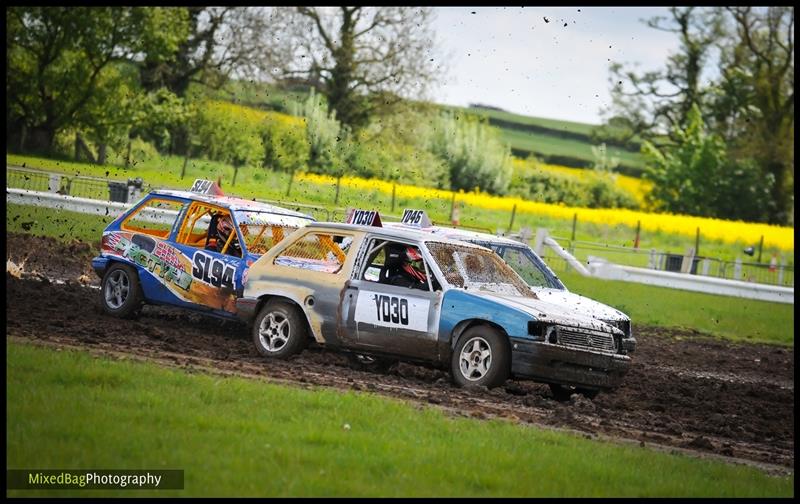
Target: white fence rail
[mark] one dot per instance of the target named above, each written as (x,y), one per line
(602,268)
(64,202)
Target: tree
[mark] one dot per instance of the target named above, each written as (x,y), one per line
(218,42)
(658,101)
(474,151)
(749,106)
(60,58)
(363,59)
(755,108)
(325,135)
(697,177)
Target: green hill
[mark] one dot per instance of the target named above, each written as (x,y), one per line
(551,140)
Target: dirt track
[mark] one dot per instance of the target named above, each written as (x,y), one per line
(684,391)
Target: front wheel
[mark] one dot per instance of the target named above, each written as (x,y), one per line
(481,358)
(122,293)
(279,330)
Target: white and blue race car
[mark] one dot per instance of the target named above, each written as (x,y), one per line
(522,259)
(389,293)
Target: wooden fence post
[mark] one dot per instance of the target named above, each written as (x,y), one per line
(338,184)
(697,243)
(289,188)
(394,191)
(513,214)
(236,166)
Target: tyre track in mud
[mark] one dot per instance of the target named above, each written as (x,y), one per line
(684,392)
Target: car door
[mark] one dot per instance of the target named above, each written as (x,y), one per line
(141,238)
(385,318)
(216,272)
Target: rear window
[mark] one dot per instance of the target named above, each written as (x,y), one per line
(316,252)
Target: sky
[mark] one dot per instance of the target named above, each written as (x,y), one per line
(513,59)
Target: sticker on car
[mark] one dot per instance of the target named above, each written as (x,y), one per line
(391,310)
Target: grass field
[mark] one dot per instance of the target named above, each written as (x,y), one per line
(732,318)
(551,145)
(265,184)
(237,437)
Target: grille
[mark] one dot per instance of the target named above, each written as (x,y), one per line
(590,340)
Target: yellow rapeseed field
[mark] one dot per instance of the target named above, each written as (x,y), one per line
(726,231)
(252,115)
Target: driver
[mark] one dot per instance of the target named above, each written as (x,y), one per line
(224,230)
(411,273)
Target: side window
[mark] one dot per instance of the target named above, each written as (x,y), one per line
(261,238)
(317,252)
(155,218)
(211,228)
(529,271)
(396,264)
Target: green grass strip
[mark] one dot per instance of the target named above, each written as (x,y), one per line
(238,437)
(727,317)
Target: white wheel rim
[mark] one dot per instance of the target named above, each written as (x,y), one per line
(274,332)
(117,288)
(475,359)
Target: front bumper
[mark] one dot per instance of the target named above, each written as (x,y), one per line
(547,362)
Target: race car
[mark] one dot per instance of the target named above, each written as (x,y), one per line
(530,267)
(190,249)
(389,293)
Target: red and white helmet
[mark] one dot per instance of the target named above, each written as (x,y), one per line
(224,227)
(414,266)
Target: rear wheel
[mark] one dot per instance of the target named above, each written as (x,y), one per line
(279,330)
(481,358)
(122,292)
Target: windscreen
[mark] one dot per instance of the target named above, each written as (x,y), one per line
(477,269)
(532,269)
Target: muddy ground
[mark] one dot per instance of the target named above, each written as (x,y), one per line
(685,391)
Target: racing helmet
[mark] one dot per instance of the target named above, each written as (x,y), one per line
(224,230)
(413,264)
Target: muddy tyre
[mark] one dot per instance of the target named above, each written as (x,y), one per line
(121,291)
(280,330)
(563,393)
(481,358)
(361,362)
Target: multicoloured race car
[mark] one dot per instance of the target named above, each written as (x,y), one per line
(190,249)
(388,293)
